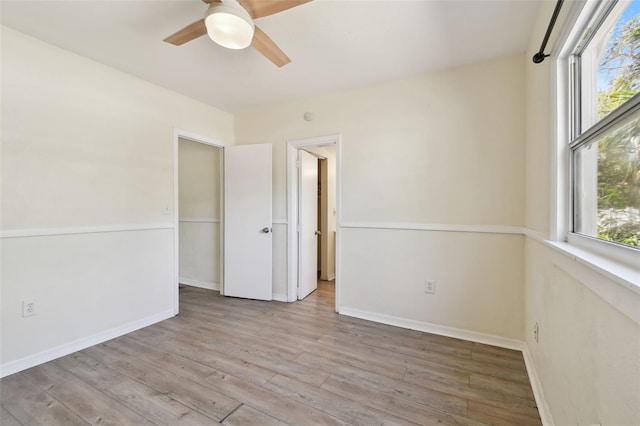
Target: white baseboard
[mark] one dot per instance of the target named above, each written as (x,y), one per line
(457,333)
(200,284)
(83,343)
(279,297)
(328,277)
(536,386)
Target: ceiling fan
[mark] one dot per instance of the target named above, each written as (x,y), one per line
(230,24)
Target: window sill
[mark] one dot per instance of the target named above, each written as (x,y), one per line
(616,283)
(618,272)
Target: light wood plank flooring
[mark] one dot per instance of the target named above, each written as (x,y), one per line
(244,362)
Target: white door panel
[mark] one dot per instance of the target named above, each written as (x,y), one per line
(247,221)
(308,216)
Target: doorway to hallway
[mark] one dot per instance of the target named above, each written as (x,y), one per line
(313,175)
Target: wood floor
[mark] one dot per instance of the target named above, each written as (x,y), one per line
(244,362)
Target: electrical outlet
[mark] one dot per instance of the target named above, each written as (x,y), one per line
(536,332)
(430,286)
(28,309)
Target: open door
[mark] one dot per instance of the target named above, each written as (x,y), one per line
(308,216)
(247,221)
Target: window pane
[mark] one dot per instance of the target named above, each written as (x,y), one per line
(607,185)
(611,64)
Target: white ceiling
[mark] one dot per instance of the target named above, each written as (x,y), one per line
(333,44)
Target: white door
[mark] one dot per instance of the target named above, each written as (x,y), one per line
(247,221)
(308,217)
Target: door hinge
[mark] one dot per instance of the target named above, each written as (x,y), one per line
(298,227)
(298,163)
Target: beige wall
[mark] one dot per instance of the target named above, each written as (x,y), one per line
(85,150)
(587,356)
(588,352)
(199,209)
(410,154)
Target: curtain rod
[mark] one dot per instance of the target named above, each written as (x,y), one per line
(539,57)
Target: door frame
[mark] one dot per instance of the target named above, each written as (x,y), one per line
(292,211)
(184,134)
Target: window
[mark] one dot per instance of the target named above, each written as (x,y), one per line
(604,70)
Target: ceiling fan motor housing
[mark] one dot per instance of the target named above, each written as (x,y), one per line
(229,25)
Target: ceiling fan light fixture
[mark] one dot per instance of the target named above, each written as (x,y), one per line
(229,25)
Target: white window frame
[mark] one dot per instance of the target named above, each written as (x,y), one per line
(613,254)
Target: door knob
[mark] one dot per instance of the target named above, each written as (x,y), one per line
(266,230)
(318,233)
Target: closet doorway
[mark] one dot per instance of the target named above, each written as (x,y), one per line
(198,190)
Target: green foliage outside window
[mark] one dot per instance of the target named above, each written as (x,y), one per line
(619,152)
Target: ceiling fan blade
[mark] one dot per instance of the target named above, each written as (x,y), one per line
(211,1)
(188,33)
(268,48)
(260,8)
